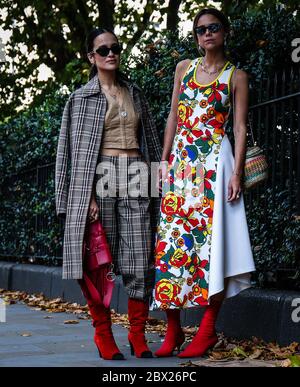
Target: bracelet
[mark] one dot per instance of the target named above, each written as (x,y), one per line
(237,173)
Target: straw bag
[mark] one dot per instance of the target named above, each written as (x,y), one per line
(256,167)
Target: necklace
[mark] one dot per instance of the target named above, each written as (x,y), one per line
(114,96)
(123,113)
(204,68)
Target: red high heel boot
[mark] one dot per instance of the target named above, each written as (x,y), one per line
(138,314)
(103,337)
(206,336)
(174,337)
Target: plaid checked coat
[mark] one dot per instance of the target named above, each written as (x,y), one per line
(76,160)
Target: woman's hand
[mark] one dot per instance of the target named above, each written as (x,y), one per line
(162,175)
(234,188)
(93,210)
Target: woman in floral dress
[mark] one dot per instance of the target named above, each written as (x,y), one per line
(203,252)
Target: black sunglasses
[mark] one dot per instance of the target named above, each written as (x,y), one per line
(104,50)
(213,27)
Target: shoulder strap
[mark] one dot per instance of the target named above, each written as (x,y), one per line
(187,68)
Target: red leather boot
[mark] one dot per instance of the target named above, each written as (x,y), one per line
(206,336)
(174,337)
(103,337)
(138,314)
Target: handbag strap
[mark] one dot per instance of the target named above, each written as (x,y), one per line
(91,293)
(248,115)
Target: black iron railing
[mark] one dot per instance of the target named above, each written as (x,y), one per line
(29,227)
(275,112)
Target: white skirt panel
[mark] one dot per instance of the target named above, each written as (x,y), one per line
(231,253)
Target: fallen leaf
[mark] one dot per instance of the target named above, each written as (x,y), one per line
(160,73)
(78,311)
(294,346)
(285,363)
(256,354)
(218,355)
(295,360)
(230,347)
(239,352)
(71,322)
(55,301)
(175,54)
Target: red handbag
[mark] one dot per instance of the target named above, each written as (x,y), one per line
(98,277)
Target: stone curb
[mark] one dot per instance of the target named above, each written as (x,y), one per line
(254,312)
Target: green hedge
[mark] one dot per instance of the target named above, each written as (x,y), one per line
(28,141)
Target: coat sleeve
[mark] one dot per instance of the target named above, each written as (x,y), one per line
(153,140)
(62,162)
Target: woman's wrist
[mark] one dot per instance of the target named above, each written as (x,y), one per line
(237,173)
(165,156)
(236,176)
(93,195)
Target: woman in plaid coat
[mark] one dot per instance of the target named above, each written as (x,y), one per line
(129,222)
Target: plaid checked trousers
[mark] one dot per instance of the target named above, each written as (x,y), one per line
(124,211)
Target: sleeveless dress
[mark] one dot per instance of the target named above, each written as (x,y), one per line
(201,238)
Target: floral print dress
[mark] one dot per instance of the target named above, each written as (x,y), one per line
(184,236)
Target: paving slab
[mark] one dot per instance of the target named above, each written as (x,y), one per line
(28,339)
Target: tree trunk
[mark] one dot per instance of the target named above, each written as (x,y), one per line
(172,15)
(226,6)
(106,12)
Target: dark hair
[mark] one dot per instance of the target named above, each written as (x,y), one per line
(90,45)
(210,11)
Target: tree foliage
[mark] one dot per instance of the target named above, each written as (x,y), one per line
(53,33)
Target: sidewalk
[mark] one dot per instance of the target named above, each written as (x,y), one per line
(39,332)
(48,342)
(263,313)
